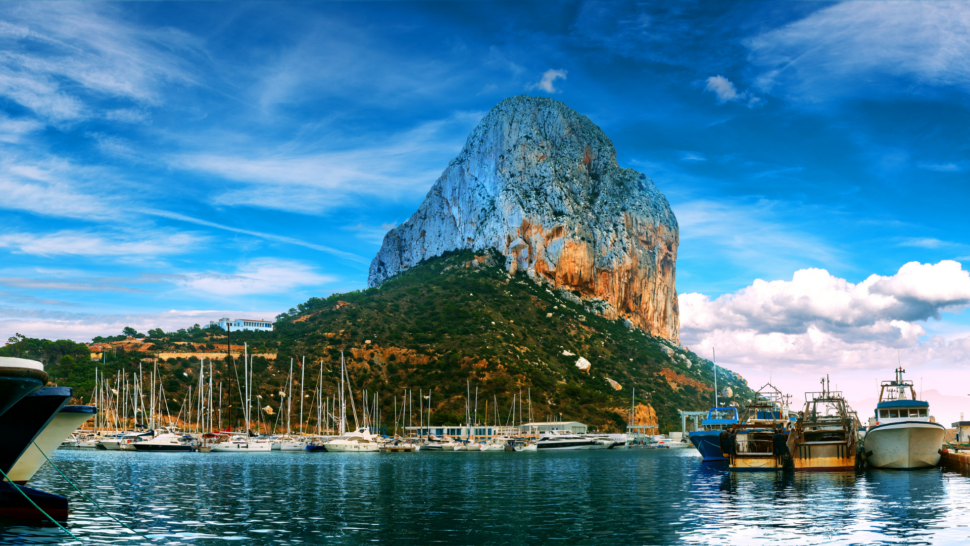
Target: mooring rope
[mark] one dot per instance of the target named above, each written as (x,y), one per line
(87,497)
(17,487)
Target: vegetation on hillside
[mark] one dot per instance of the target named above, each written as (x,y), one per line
(447,323)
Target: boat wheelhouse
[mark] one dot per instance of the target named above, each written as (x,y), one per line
(904,435)
(708,439)
(825,437)
(759,441)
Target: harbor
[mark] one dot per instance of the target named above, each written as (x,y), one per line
(618,496)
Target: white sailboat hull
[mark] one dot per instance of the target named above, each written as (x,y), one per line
(905,445)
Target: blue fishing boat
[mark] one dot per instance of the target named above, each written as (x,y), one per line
(707,440)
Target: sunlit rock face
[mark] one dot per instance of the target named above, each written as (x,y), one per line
(539,183)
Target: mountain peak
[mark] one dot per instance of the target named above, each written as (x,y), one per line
(539,182)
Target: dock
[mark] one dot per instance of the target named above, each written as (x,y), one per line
(957,460)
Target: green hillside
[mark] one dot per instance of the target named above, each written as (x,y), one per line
(448,321)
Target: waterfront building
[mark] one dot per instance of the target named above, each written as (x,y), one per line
(243,324)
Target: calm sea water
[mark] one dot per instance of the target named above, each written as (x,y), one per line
(596,497)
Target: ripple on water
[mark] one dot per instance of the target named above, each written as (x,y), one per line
(603,497)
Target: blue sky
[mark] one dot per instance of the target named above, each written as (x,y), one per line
(164,163)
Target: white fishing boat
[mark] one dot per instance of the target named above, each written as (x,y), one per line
(903,435)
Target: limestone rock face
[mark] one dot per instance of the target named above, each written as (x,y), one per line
(539,183)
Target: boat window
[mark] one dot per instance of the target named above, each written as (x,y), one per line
(922,413)
(893,413)
(884,413)
(914,413)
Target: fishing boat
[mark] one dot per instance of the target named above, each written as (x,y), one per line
(708,439)
(825,437)
(760,440)
(59,430)
(904,435)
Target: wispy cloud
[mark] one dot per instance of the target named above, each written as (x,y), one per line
(262,276)
(315,181)
(269,236)
(850,48)
(82,243)
(952,167)
(59,285)
(373,234)
(926,242)
(548,81)
(53,59)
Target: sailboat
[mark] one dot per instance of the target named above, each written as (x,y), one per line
(245,442)
(359,440)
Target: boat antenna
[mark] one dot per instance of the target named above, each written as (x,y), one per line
(714,362)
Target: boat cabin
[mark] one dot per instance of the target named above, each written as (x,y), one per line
(720,418)
(898,402)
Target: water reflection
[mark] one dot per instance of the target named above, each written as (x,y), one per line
(609,497)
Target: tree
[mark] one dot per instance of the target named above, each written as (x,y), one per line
(157,333)
(129,331)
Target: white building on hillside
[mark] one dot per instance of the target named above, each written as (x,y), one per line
(243,324)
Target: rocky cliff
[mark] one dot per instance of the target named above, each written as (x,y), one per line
(539,183)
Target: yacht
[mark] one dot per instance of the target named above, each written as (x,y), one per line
(290,443)
(168,441)
(554,440)
(242,443)
(707,440)
(903,435)
(55,434)
(358,441)
(439,444)
(22,419)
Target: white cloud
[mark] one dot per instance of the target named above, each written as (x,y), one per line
(725,91)
(262,276)
(723,88)
(82,243)
(547,83)
(850,48)
(817,319)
